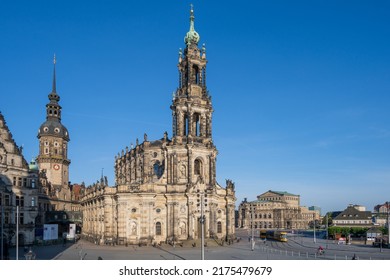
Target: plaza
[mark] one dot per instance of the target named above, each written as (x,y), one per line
(297,248)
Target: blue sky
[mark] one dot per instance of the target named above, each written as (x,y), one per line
(300,88)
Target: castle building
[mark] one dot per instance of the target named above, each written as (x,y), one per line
(18,191)
(276,210)
(166,188)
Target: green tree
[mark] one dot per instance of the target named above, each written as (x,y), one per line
(330,220)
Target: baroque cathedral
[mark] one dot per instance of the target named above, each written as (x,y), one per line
(166,189)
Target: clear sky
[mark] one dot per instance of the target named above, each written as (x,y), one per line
(300,88)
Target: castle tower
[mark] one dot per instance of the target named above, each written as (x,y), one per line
(53,146)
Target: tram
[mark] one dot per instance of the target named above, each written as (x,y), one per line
(275,235)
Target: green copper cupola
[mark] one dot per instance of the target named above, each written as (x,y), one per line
(192,37)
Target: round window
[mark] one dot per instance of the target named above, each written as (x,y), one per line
(57,130)
(45,129)
(133,210)
(158,210)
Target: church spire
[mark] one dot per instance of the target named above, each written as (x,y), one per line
(192,37)
(53,109)
(54,88)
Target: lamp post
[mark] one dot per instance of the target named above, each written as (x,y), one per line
(252,229)
(388,225)
(314,228)
(2,232)
(327,237)
(202,202)
(17,232)
(202,220)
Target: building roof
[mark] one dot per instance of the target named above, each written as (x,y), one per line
(284,193)
(351,213)
(53,127)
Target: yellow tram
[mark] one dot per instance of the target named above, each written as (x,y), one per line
(274,234)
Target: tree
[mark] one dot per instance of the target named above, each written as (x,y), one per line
(330,220)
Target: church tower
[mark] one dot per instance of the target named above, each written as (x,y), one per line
(191,108)
(192,112)
(53,146)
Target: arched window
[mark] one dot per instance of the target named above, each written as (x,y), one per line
(197,124)
(219,227)
(158,228)
(197,167)
(186,125)
(174,124)
(196,74)
(269,216)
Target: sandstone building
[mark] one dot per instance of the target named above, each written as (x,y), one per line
(164,186)
(18,191)
(276,210)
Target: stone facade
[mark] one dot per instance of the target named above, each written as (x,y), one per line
(161,184)
(276,210)
(18,190)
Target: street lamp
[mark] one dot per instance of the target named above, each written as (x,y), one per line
(252,229)
(2,232)
(388,225)
(202,219)
(314,228)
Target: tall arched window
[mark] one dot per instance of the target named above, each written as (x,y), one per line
(158,228)
(196,74)
(219,227)
(197,167)
(174,124)
(197,124)
(186,125)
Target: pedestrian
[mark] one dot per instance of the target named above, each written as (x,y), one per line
(354,257)
(64,235)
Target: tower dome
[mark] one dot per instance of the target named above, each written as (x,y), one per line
(192,37)
(53,126)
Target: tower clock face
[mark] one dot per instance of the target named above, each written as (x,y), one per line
(56,167)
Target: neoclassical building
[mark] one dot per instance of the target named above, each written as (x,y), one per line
(276,210)
(164,186)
